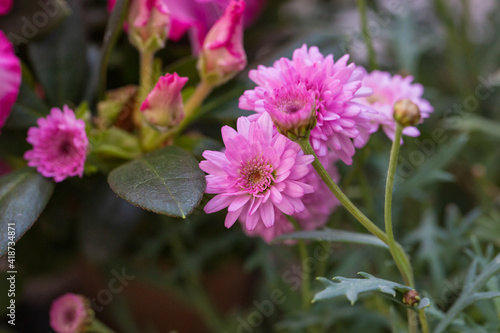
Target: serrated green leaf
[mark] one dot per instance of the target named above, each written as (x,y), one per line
(27,110)
(167,181)
(23,196)
(62,70)
(352,287)
(331,235)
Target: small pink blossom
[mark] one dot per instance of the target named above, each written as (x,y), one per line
(59,145)
(342,124)
(10,78)
(387,90)
(259,171)
(5,6)
(148,24)
(222,55)
(70,313)
(163,105)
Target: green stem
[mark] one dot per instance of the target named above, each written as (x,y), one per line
(98,327)
(358,215)
(412,321)
(196,292)
(366,34)
(389,186)
(423,321)
(145,84)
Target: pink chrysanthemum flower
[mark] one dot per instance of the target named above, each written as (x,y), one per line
(387,90)
(10,78)
(70,313)
(59,145)
(319,205)
(5,6)
(342,124)
(260,170)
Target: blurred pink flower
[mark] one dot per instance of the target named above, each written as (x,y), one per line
(198,16)
(387,90)
(70,313)
(260,170)
(59,145)
(5,6)
(222,55)
(163,105)
(148,23)
(342,124)
(10,78)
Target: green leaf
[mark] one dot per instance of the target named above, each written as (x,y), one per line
(479,124)
(331,235)
(115,142)
(27,110)
(352,287)
(113,30)
(471,293)
(23,196)
(167,181)
(59,60)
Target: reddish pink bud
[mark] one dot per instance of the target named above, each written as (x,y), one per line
(223,55)
(163,106)
(149,24)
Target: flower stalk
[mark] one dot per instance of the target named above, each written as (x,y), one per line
(145,84)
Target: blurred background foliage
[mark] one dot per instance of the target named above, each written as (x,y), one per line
(195,275)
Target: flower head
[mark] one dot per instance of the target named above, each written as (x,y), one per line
(260,170)
(342,124)
(59,145)
(387,90)
(70,313)
(319,205)
(222,55)
(10,78)
(163,106)
(148,24)
(292,110)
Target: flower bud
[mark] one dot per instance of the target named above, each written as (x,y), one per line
(411,298)
(293,110)
(149,24)
(222,55)
(406,113)
(71,313)
(163,106)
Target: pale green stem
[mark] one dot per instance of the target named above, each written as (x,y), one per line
(423,321)
(98,327)
(145,84)
(393,246)
(366,34)
(365,221)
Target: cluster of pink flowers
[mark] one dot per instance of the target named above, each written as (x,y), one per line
(335,104)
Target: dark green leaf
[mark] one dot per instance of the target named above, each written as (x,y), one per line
(167,181)
(27,110)
(23,196)
(113,31)
(60,62)
(331,235)
(352,287)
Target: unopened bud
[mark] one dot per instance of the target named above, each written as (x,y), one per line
(411,298)
(222,55)
(406,113)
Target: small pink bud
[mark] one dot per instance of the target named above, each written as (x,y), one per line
(292,109)
(149,24)
(223,55)
(71,313)
(163,106)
